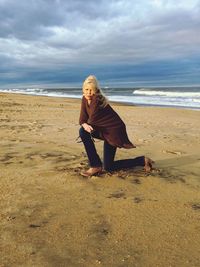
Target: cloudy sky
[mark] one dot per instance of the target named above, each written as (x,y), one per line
(122,42)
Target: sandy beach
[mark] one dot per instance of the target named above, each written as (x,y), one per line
(50,216)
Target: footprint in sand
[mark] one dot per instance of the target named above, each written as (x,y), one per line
(196,206)
(138,199)
(117,194)
(136,181)
(34,225)
(101,229)
(6,159)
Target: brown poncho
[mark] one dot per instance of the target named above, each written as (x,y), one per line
(106,121)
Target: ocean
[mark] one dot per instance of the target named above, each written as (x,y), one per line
(183,97)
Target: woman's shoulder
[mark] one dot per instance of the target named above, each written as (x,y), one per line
(83,100)
(83,103)
(95,100)
(100,101)
(95,97)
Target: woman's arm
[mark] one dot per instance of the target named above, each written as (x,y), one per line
(94,110)
(84,117)
(83,113)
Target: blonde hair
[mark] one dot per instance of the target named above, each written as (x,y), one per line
(91,79)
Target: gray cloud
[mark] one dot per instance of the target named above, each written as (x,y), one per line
(53,34)
(32,19)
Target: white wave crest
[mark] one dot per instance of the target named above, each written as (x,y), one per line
(196,100)
(166,93)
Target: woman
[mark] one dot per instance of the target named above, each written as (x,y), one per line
(99,120)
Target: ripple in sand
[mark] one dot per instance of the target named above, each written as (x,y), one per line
(169,176)
(173,152)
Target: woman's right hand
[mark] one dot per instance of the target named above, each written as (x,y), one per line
(88,128)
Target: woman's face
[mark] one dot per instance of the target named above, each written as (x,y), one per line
(88,91)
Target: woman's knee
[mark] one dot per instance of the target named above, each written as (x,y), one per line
(83,133)
(108,166)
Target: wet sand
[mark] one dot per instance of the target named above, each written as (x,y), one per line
(51,216)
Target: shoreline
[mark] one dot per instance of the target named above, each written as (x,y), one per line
(52,216)
(111,101)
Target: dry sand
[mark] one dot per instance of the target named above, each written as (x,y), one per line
(51,216)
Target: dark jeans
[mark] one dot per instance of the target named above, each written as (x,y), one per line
(108,154)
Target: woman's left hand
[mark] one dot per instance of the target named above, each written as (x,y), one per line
(88,128)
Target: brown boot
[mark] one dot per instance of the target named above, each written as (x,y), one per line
(92,171)
(148,164)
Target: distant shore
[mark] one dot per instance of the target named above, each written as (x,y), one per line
(51,216)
